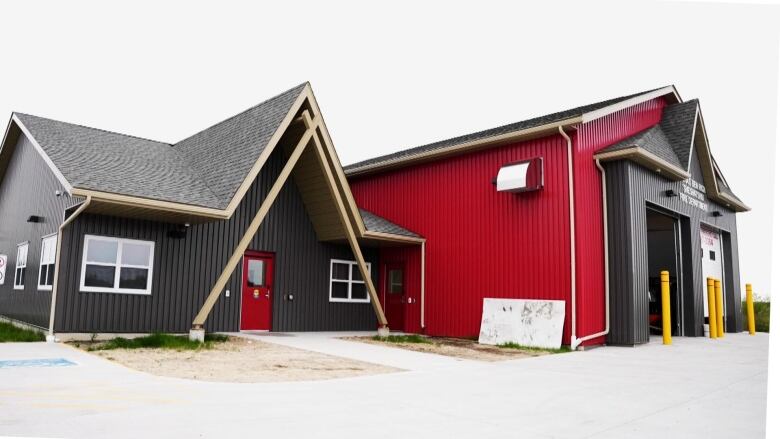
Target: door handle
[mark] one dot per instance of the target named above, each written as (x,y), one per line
(267,294)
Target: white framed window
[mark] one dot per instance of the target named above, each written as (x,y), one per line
(346,283)
(46,268)
(21,265)
(116,265)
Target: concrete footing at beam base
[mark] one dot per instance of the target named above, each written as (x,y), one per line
(383,331)
(198,334)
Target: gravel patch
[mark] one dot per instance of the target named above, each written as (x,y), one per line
(239,360)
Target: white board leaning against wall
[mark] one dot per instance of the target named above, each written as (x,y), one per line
(534,323)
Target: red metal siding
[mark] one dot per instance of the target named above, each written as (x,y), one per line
(590,138)
(480,243)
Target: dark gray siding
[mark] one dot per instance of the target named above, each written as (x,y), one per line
(630,189)
(27,188)
(186,269)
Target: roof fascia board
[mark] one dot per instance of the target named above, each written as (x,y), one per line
(622,105)
(7,130)
(636,152)
(708,169)
(63,181)
(384,236)
(4,146)
(334,163)
(733,202)
(693,138)
(463,147)
(127,200)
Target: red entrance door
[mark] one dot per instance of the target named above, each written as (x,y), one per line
(395,296)
(257,291)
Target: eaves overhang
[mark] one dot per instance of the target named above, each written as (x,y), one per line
(514,136)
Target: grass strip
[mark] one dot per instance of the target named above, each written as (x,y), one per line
(160,341)
(10,333)
(411,338)
(561,350)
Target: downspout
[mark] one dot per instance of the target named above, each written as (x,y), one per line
(572,244)
(84,205)
(606,255)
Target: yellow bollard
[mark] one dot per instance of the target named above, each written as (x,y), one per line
(666,308)
(751,316)
(719,308)
(711,307)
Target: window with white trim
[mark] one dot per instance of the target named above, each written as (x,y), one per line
(116,265)
(21,265)
(46,269)
(346,283)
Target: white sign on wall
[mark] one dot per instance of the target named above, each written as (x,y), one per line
(3,263)
(694,194)
(535,323)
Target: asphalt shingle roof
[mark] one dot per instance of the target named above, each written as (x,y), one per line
(678,122)
(99,160)
(376,223)
(517,126)
(205,169)
(671,139)
(724,187)
(224,153)
(653,140)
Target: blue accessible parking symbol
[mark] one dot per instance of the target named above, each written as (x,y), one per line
(38,362)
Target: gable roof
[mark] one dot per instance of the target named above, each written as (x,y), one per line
(671,139)
(224,153)
(566,117)
(203,170)
(667,148)
(205,176)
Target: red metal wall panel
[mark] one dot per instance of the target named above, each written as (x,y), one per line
(590,138)
(480,243)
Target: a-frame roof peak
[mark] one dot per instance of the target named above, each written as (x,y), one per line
(224,153)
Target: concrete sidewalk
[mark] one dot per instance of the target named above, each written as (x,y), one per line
(332,343)
(694,388)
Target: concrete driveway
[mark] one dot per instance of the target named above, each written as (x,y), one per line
(694,388)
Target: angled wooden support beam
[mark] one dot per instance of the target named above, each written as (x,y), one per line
(238,253)
(347,224)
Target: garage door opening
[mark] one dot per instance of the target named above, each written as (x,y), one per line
(663,253)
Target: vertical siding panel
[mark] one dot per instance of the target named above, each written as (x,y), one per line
(479,243)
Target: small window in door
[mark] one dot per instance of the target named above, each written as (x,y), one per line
(712,255)
(395,280)
(256,275)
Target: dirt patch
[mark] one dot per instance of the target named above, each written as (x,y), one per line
(457,347)
(240,360)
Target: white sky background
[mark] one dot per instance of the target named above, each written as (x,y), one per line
(404,74)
